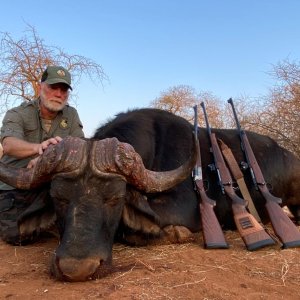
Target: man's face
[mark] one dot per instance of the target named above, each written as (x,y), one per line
(54,96)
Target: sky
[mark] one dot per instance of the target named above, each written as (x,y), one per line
(227,48)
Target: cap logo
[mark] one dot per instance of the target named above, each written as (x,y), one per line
(61,73)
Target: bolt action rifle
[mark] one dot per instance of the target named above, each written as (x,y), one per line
(282,225)
(252,233)
(212,233)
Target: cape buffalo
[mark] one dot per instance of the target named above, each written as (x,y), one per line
(131,182)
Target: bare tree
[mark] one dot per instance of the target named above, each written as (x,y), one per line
(180,100)
(23,61)
(248,110)
(276,114)
(214,109)
(279,113)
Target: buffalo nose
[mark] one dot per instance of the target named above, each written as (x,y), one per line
(77,270)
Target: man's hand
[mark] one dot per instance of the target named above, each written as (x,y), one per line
(41,148)
(44,145)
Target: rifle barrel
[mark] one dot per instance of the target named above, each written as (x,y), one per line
(235,114)
(205,117)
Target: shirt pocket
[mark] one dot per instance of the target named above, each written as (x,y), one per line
(31,133)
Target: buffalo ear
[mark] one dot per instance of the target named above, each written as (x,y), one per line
(40,215)
(138,215)
(140,202)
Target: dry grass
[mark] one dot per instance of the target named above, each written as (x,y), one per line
(182,271)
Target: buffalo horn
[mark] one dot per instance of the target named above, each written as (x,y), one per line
(111,156)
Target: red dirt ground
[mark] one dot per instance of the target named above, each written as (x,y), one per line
(181,271)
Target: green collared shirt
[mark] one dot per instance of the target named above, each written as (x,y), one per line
(24,122)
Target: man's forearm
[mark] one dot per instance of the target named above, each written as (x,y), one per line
(18,148)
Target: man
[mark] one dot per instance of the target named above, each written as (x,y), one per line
(26,132)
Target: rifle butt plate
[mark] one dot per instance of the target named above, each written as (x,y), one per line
(292,244)
(260,244)
(216,245)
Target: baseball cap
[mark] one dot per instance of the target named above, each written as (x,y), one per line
(56,74)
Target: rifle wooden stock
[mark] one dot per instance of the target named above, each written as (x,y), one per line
(212,232)
(283,227)
(252,233)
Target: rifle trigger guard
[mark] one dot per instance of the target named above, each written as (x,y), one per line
(206,185)
(211,167)
(235,186)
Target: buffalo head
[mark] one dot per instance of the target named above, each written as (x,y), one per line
(88,187)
